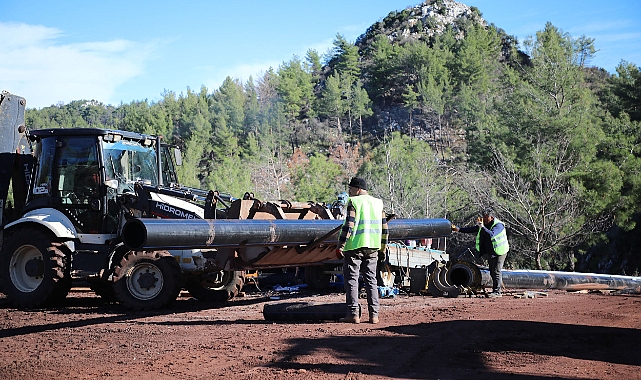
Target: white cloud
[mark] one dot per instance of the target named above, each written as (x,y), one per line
(16,35)
(242,72)
(324,47)
(45,72)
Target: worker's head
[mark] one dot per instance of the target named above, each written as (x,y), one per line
(356,185)
(488,215)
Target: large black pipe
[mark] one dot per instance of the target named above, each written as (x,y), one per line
(167,234)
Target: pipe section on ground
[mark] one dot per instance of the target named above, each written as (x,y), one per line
(464,277)
(539,279)
(168,234)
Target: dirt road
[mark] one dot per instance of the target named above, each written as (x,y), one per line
(561,336)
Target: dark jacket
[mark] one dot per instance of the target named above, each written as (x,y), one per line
(485,243)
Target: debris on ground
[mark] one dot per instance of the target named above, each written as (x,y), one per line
(530,294)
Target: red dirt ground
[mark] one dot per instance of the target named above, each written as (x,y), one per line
(561,336)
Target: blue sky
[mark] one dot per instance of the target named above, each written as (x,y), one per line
(120,51)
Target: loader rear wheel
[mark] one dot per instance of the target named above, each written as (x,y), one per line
(34,269)
(147,280)
(217,286)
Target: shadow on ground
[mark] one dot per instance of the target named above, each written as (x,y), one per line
(457,349)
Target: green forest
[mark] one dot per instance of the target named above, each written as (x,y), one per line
(441,125)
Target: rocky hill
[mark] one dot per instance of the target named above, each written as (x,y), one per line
(427,19)
(421,24)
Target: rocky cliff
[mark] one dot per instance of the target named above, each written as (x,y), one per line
(427,19)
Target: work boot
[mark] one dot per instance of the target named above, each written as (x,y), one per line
(494,295)
(373,319)
(350,319)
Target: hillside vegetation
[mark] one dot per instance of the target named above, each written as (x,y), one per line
(443,115)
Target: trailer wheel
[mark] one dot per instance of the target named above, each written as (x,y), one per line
(217,286)
(34,269)
(316,278)
(147,280)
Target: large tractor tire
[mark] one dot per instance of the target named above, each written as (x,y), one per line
(217,286)
(102,287)
(147,280)
(34,270)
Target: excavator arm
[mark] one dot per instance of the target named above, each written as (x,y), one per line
(15,156)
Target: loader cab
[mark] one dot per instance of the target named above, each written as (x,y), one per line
(80,172)
(170,158)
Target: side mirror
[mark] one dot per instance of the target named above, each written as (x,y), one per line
(178,156)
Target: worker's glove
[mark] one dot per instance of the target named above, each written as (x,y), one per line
(479,224)
(381,256)
(339,254)
(454,228)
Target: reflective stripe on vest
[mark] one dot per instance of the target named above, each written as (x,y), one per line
(368,225)
(499,242)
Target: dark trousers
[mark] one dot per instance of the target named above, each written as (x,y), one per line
(496,266)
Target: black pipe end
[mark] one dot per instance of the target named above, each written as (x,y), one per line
(134,234)
(464,273)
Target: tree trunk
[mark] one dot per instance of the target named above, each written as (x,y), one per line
(570,261)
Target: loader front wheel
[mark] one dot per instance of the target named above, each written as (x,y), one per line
(34,269)
(218,286)
(147,280)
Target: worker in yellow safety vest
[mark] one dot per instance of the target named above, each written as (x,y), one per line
(362,244)
(491,243)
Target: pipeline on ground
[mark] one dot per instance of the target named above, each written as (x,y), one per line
(463,278)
